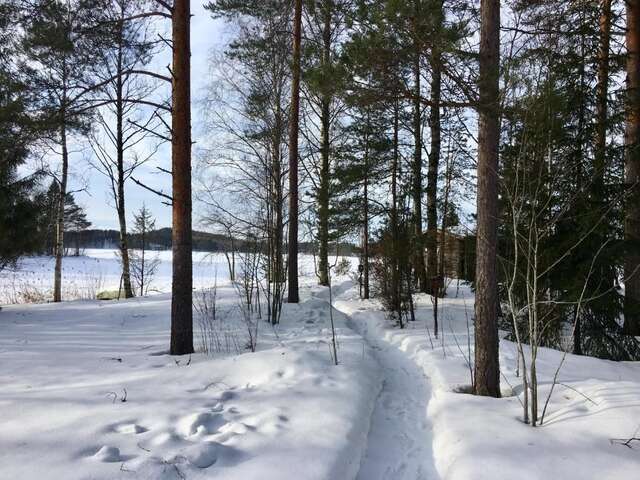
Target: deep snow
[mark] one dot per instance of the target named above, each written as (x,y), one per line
(477,438)
(283,412)
(389,410)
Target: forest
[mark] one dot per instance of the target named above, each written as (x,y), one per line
(375,209)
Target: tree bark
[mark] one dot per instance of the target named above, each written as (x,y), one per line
(120,201)
(602,89)
(395,274)
(325,120)
(182,285)
(632,173)
(59,248)
(365,219)
(434,161)
(487,368)
(434,155)
(293,296)
(419,265)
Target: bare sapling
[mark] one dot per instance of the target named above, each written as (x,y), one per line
(247,288)
(333,328)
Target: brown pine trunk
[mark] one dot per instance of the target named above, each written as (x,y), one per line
(632,173)
(182,285)
(120,201)
(395,275)
(434,160)
(293,296)
(487,368)
(419,263)
(602,89)
(323,194)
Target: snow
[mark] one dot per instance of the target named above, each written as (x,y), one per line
(90,392)
(84,276)
(483,438)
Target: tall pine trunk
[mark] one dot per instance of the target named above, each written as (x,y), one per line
(365,220)
(487,368)
(602,89)
(182,285)
(434,161)
(293,296)
(325,120)
(419,263)
(395,265)
(632,173)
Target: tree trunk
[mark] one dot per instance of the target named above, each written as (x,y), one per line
(182,285)
(142,260)
(577,334)
(632,173)
(602,89)
(325,120)
(365,218)
(419,265)
(487,368)
(395,274)
(59,244)
(120,201)
(434,158)
(293,156)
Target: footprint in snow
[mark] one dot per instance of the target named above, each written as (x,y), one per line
(129,428)
(108,454)
(204,423)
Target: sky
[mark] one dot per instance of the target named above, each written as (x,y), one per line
(207,35)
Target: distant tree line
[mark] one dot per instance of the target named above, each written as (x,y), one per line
(160,239)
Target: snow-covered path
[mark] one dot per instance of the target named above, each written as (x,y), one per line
(399,444)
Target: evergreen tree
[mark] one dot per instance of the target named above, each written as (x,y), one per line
(18,210)
(361,166)
(61,44)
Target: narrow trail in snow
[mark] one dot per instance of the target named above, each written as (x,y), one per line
(399,443)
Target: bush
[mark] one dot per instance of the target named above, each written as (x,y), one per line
(343,267)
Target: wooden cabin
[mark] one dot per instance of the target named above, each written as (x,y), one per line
(459,255)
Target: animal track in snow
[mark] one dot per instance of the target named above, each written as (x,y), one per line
(204,423)
(108,454)
(129,428)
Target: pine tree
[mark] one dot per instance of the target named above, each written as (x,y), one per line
(182,242)
(61,47)
(18,210)
(361,165)
(487,368)
(143,267)
(294,126)
(632,173)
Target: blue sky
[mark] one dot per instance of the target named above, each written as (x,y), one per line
(207,34)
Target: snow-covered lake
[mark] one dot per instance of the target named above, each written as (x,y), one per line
(99,269)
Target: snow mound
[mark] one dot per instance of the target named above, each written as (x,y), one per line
(108,454)
(204,423)
(130,429)
(203,455)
